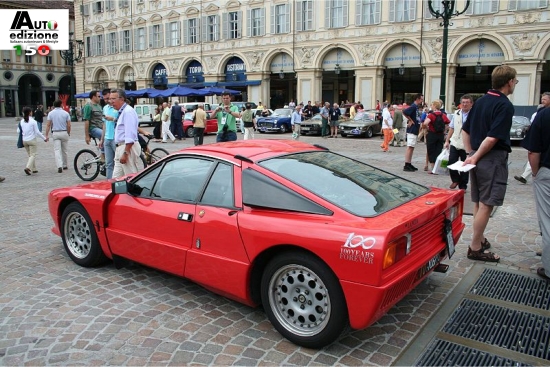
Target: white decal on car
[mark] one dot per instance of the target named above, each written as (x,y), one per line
(361,256)
(355,241)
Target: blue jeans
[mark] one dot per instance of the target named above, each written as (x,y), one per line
(39,126)
(96,132)
(226,136)
(109,147)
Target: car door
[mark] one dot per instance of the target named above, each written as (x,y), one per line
(153,224)
(218,257)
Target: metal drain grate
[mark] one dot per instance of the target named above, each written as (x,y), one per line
(445,353)
(514,330)
(513,288)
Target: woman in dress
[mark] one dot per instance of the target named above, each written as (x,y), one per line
(29,129)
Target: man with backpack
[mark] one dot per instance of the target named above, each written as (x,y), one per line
(436,123)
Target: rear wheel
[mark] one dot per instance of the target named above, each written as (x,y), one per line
(303,299)
(157,154)
(343,135)
(79,237)
(190,132)
(86,165)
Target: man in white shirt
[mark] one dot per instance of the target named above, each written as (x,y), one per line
(59,124)
(127,151)
(165,118)
(296,121)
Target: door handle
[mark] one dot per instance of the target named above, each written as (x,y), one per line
(185,216)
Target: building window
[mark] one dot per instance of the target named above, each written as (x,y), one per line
(280,19)
(232,25)
(304,15)
(6,55)
(155,36)
(111,43)
(527,4)
(141,39)
(256,22)
(99,44)
(402,10)
(126,40)
(368,12)
(97,7)
(212,28)
(336,13)
(49,60)
(478,7)
(173,37)
(89,49)
(28,59)
(123,4)
(109,5)
(192,31)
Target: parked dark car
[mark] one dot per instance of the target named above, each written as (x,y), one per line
(312,126)
(520,125)
(364,124)
(278,122)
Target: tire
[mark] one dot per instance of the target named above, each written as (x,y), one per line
(157,154)
(143,160)
(84,169)
(303,299)
(190,132)
(283,128)
(343,135)
(79,237)
(369,133)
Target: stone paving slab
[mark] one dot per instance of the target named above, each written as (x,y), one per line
(53,312)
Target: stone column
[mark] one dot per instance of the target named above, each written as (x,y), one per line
(308,85)
(451,86)
(526,93)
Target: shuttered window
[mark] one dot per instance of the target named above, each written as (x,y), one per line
(304,15)
(280,19)
(336,13)
(256,22)
(478,7)
(125,41)
(111,43)
(191,28)
(527,4)
(367,12)
(402,10)
(156,39)
(172,37)
(140,39)
(232,24)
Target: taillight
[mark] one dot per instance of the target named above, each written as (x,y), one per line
(454,212)
(396,250)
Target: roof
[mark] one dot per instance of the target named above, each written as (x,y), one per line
(255,150)
(39,4)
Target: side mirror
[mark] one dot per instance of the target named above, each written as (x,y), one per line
(119,187)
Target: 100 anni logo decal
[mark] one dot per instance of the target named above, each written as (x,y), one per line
(355,249)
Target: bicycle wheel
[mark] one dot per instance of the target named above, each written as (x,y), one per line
(143,160)
(86,164)
(157,154)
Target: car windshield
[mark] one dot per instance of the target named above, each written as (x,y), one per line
(282,112)
(352,185)
(364,115)
(520,121)
(188,116)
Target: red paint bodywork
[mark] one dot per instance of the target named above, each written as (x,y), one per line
(211,126)
(231,245)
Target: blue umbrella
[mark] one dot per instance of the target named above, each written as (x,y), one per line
(146,92)
(177,92)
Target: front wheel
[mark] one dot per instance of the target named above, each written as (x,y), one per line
(86,165)
(284,128)
(303,299)
(190,132)
(369,133)
(79,237)
(157,154)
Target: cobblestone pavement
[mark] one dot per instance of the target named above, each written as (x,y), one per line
(53,312)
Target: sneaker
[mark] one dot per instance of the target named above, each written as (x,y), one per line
(413,167)
(27,171)
(60,170)
(2,179)
(408,168)
(520,179)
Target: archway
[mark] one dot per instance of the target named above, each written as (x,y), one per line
(476,61)
(403,76)
(338,76)
(282,81)
(30,91)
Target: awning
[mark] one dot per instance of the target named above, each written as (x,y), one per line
(242,83)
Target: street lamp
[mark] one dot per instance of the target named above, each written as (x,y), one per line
(282,74)
(478,65)
(72,56)
(446,13)
(402,66)
(337,69)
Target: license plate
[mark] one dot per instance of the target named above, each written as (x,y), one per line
(449,238)
(305,128)
(263,128)
(432,263)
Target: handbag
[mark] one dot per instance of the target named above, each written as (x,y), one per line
(20,137)
(440,166)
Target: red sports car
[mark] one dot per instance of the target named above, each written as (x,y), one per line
(189,130)
(319,239)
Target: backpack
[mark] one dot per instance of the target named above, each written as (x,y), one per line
(439,123)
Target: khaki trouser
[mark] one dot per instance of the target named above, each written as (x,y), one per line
(30,147)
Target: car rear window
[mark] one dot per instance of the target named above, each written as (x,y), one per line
(354,186)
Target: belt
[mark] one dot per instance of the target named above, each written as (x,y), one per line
(119,144)
(56,131)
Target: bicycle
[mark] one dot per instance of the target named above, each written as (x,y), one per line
(88,164)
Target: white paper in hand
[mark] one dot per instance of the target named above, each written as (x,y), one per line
(458,166)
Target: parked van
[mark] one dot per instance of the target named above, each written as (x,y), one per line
(145,113)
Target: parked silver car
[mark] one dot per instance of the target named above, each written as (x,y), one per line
(363,124)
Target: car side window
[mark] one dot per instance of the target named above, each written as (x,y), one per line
(138,110)
(219,191)
(145,110)
(179,179)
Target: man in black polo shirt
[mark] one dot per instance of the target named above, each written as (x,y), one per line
(537,142)
(486,137)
